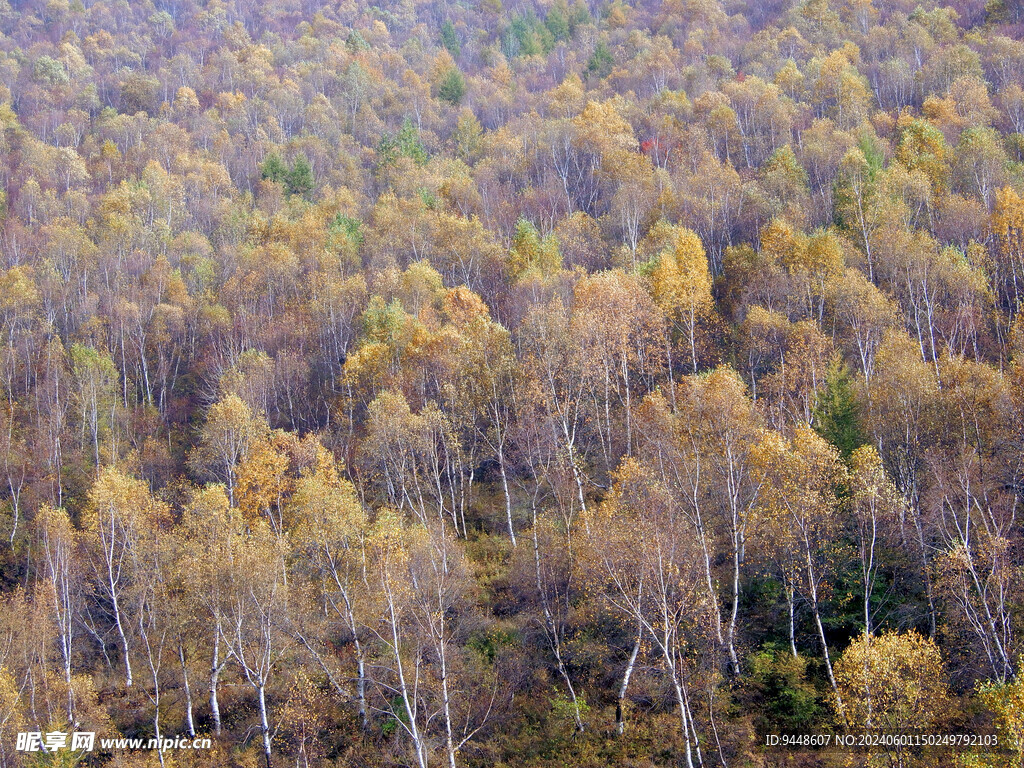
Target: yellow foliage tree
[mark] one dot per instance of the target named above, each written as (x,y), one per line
(263,483)
(681,284)
(798,514)
(231,427)
(1008,228)
(893,682)
(1006,702)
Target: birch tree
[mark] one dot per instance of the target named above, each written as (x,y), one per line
(119,512)
(255,627)
(798,500)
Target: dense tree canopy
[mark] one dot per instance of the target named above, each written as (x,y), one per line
(511,384)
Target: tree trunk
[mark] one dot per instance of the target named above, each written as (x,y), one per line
(508,497)
(264,723)
(190,724)
(215,668)
(733,613)
(791,599)
(361,686)
(121,635)
(821,634)
(554,636)
(620,725)
(683,716)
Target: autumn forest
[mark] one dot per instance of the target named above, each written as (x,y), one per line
(511,383)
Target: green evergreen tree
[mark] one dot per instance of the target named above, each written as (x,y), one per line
(405,143)
(578,16)
(408,143)
(600,64)
(356,42)
(299,180)
(273,169)
(452,87)
(348,227)
(557,21)
(780,691)
(450,40)
(836,411)
(526,37)
(868,144)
